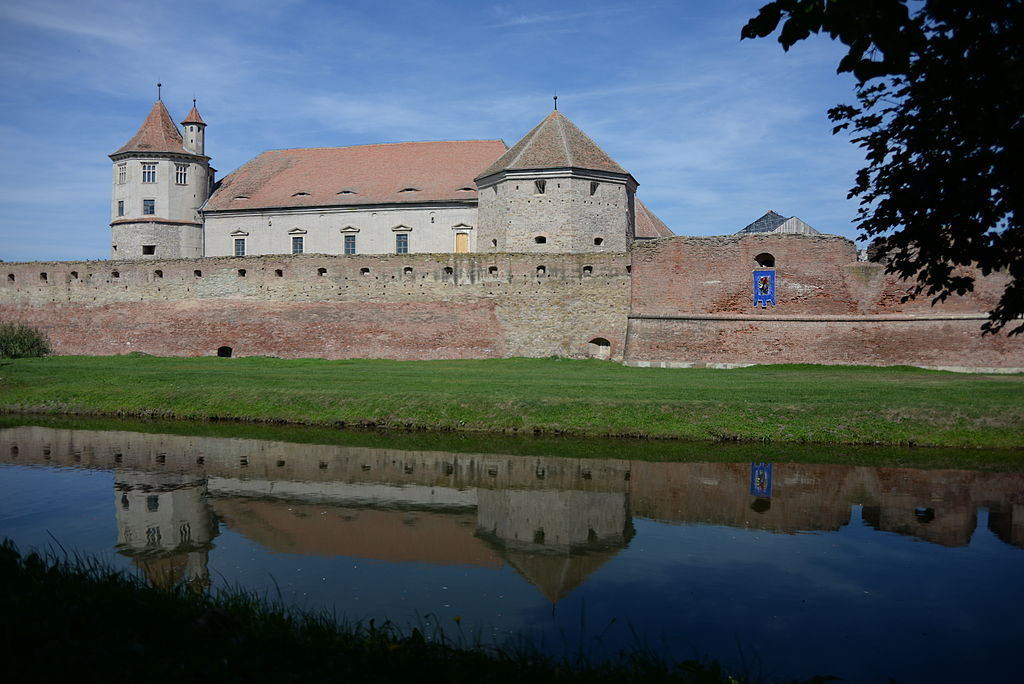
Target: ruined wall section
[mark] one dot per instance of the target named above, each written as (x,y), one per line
(692,304)
(424,306)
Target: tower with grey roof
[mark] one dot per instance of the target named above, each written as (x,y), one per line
(161,178)
(556,191)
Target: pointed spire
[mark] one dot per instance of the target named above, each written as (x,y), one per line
(193,116)
(555,143)
(157,134)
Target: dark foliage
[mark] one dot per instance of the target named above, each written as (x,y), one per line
(940,98)
(21,341)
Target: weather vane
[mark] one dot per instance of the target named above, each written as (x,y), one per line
(158,90)
(556,101)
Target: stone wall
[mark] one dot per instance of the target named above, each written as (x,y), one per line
(424,306)
(692,304)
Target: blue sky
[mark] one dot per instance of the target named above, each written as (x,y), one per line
(715,130)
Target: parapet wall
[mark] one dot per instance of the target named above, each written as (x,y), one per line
(693,305)
(416,306)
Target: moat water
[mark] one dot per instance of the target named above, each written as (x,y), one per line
(778,569)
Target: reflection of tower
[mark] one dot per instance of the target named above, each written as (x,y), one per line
(164,525)
(555,539)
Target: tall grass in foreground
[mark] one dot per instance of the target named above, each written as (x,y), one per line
(78,620)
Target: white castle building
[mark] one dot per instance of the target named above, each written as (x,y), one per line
(553,191)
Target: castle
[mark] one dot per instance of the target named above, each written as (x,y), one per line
(468,249)
(555,191)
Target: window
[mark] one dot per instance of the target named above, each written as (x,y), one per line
(181,174)
(321,271)
(120,207)
(158,273)
(122,173)
(197,273)
(593,187)
(401,243)
(599,241)
(297,244)
(239,246)
(350,244)
(279,273)
(541,270)
(540,186)
(765,260)
(148,207)
(149,249)
(149,173)
(540,240)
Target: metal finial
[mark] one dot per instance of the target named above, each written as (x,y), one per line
(556,103)
(158,85)
(193,103)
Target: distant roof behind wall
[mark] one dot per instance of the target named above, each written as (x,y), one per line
(396,173)
(555,143)
(773,222)
(648,225)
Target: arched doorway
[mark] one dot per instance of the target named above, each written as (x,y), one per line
(599,348)
(224,352)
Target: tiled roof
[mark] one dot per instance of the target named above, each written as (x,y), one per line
(193,117)
(773,222)
(766,224)
(157,134)
(555,143)
(648,225)
(363,174)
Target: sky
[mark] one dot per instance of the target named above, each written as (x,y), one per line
(716,131)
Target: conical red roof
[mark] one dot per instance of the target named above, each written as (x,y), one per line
(157,134)
(193,117)
(555,143)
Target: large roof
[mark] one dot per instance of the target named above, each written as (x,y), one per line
(364,174)
(648,225)
(157,134)
(555,143)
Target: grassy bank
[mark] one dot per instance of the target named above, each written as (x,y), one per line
(780,404)
(78,621)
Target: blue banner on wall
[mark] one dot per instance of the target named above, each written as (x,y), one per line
(764,288)
(761,479)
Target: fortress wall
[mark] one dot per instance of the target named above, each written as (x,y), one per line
(416,306)
(692,303)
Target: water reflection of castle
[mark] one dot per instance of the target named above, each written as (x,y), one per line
(555,520)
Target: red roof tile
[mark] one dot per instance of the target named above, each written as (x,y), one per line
(648,225)
(555,143)
(157,134)
(364,174)
(193,117)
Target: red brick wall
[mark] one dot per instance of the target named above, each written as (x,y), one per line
(692,303)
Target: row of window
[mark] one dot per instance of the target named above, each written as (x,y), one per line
(149,173)
(148,207)
(406,270)
(349,245)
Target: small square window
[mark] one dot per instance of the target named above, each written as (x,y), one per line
(148,207)
(401,243)
(350,244)
(149,249)
(239,246)
(297,244)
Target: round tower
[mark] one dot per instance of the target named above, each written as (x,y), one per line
(160,181)
(556,191)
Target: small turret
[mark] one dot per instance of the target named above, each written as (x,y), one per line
(194,132)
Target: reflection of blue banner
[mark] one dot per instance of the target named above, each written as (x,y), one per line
(764,288)
(761,479)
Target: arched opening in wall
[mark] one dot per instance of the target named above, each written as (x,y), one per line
(365,272)
(43,276)
(197,273)
(321,271)
(494,242)
(241,273)
(279,273)
(761,505)
(158,273)
(74,275)
(540,240)
(10,277)
(407,271)
(765,260)
(588,270)
(599,241)
(542,270)
(599,348)
(115,274)
(224,352)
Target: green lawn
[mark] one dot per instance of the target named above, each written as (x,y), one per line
(820,404)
